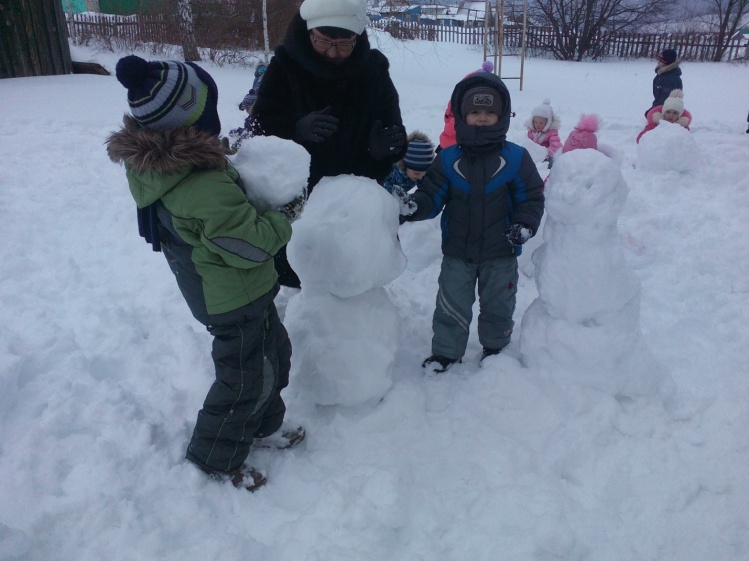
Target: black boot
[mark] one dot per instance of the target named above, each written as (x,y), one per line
(438,363)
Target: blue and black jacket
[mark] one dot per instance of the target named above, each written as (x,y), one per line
(481,185)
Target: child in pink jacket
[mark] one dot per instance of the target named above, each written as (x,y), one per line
(672,111)
(543,129)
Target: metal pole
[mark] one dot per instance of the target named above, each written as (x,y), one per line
(522,49)
(500,30)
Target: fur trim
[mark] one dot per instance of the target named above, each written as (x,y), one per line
(418,135)
(669,67)
(146,150)
(555,124)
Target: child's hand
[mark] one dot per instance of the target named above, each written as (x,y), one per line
(518,234)
(407,204)
(293,209)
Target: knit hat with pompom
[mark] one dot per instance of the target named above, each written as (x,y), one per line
(544,110)
(166,95)
(583,135)
(674,102)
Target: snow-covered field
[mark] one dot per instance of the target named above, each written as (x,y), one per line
(103,370)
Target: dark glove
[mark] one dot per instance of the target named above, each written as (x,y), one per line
(518,234)
(548,160)
(316,126)
(293,209)
(384,142)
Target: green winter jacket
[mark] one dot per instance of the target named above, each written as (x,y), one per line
(220,249)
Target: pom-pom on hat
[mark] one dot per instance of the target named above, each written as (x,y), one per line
(583,135)
(481,97)
(674,102)
(419,154)
(667,56)
(345,14)
(544,110)
(166,95)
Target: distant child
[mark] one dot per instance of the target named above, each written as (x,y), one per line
(193,207)
(543,129)
(491,199)
(447,137)
(667,77)
(408,173)
(248,102)
(672,111)
(250,127)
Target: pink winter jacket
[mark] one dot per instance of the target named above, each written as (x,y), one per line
(655,115)
(548,139)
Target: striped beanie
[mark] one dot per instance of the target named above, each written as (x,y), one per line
(419,155)
(166,95)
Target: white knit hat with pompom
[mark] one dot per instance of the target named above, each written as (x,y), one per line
(544,110)
(675,102)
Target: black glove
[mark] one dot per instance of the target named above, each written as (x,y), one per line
(518,234)
(548,160)
(388,141)
(293,209)
(316,126)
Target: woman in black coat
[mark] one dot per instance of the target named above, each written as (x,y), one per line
(326,89)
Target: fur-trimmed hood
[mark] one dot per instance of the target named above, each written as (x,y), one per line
(164,152)
(669,67)
(555,124)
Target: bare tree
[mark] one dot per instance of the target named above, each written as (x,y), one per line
(580,27)
(725,18)
(187,31)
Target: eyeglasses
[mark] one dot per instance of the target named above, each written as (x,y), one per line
(343,48)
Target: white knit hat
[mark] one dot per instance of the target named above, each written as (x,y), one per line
(544,110)
(346,14)
(675,102)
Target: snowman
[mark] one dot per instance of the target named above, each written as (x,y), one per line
(342,324)
(584,325)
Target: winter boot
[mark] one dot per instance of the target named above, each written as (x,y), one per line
(246,477)
(286,437)
(437,363)
(488,352)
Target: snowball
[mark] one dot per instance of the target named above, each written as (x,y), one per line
(274,170)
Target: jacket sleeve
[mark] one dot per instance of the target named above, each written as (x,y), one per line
(555,145)
(228,224)
(388,101)
(528,194)
(650,125)
(431,196)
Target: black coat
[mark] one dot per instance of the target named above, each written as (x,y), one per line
(667,78)
(360,92)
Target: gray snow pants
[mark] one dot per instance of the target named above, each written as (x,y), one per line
(497,287)
(252,357)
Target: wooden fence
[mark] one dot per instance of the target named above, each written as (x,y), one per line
(164,29)
(690,46)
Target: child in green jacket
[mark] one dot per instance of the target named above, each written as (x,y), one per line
(192,206)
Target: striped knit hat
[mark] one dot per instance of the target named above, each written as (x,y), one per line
(166,95)
(419,154)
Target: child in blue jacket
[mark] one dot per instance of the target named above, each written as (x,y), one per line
(491,199)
